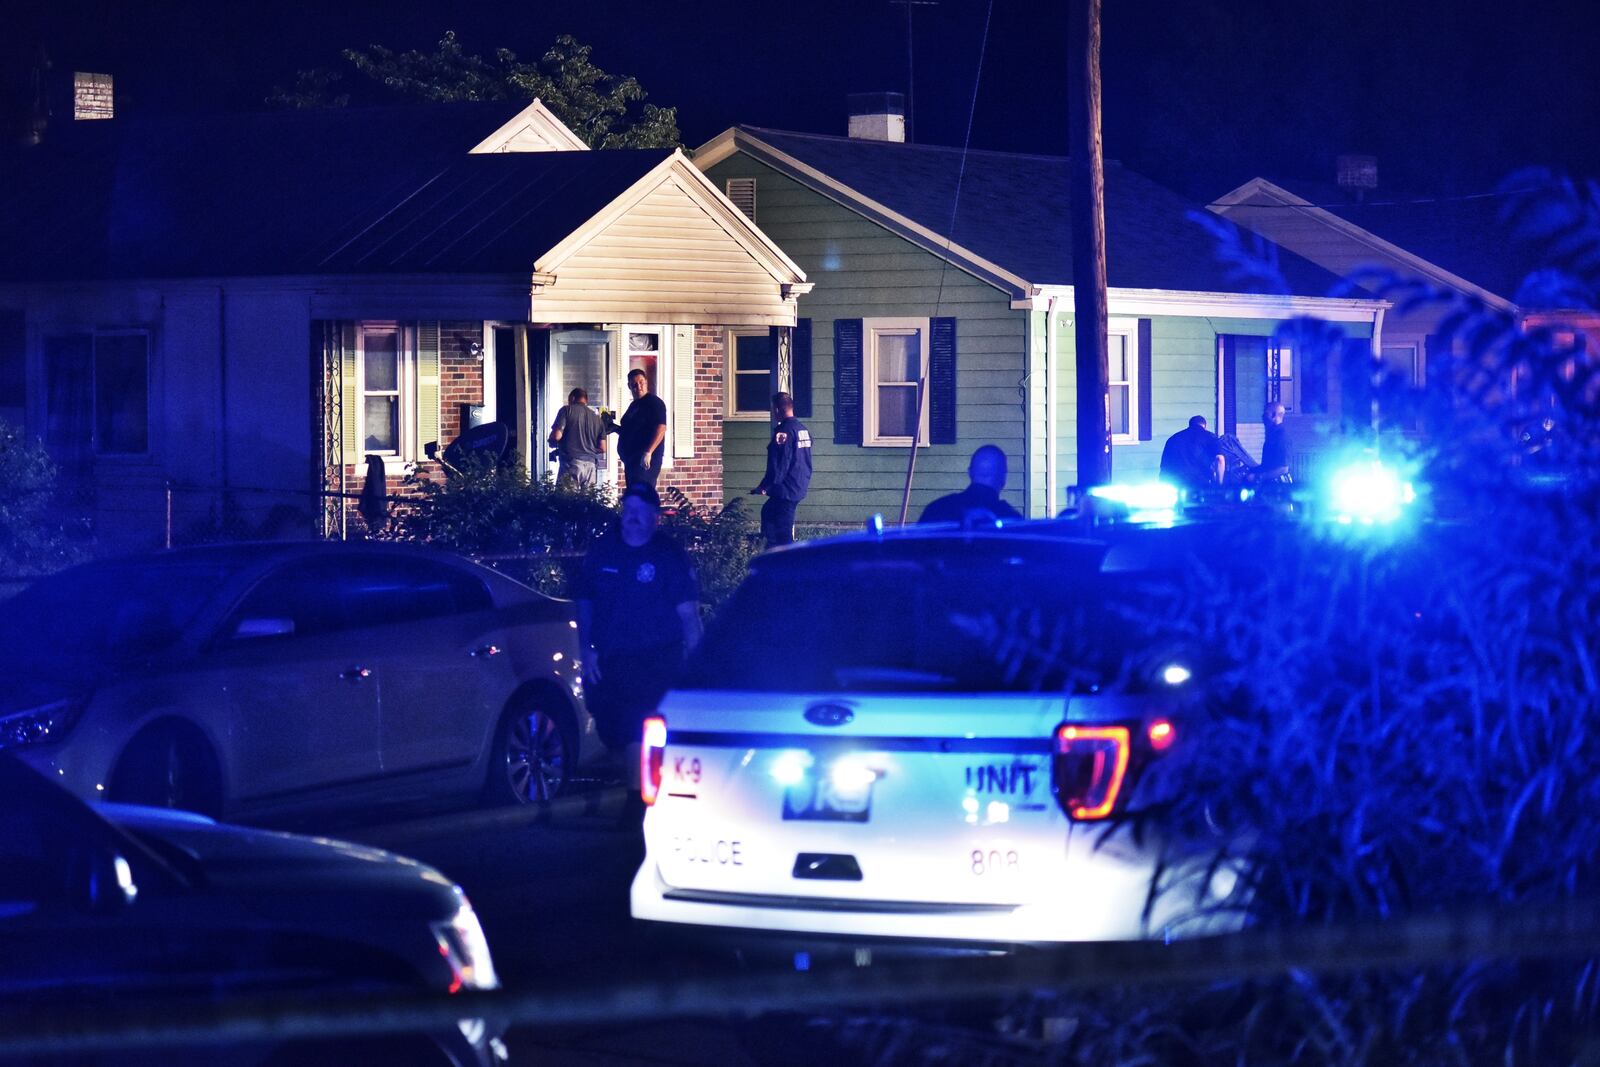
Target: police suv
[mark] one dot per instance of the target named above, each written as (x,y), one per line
(940,734)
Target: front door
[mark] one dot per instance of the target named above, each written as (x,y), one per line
(581,359)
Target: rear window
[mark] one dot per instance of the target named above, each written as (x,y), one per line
(896,625)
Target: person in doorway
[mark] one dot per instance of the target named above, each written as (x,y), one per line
(579,438)
(980,501)
(1274,465)
(788,474)
(644,429)
(1193,457)
(638,616)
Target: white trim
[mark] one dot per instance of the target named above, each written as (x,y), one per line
(665,385)
(1234,200)
(1129,329)
(406,374)
(678,171)
(1148,303)
(871,329)
(549,132)
(730,376)
(735,139)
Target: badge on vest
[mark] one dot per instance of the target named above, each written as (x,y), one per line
(646,573)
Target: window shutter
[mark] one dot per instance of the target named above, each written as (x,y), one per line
(683,392)
(800,355)
(427,386)
(1230,384)
(1145,385)
(1355,385)
(942,381)
(349,398)
(1436,367)
(847,383)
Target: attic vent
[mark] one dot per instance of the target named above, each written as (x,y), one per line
(742,191)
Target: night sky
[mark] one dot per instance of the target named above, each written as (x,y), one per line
(1200,95)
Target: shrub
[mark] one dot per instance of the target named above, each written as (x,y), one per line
(538,533)
(33,535)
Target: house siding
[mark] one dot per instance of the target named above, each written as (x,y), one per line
(862,270)
(665,261)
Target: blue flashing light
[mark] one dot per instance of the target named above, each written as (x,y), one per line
(1368,493)
(875,524)
(802,961)
(1144,496)
(1175,674)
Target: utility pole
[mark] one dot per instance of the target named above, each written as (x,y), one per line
(1089,248)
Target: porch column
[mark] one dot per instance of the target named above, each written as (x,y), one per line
(783,359)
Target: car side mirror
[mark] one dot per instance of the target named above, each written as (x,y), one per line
(103,882)
(252,628)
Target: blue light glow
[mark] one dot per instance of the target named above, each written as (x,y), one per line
(1369,493)
(1145,496)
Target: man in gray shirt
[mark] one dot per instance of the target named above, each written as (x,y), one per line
(580,439)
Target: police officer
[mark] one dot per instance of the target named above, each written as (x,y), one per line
(788,472)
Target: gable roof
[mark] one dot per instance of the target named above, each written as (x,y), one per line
(338,191)
(1012,226)
(533,129)
(1458,242)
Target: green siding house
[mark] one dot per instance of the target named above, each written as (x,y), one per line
(953,266)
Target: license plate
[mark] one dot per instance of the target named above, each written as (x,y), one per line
(819,797)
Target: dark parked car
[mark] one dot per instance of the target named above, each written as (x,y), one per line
(259,680)
(111,903)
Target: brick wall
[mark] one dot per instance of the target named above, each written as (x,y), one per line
(460,375)
(700,477)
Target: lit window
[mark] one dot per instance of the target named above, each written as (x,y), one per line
(644,353)
(1280,375)
(380,389)
(1122,367)
(749,373)
(895,364)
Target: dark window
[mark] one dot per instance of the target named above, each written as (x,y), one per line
(97,395)
(354,592)
(979,623)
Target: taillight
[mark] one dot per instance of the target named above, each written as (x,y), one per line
(1090,765)
(652,754)
(1093,762)
(1161,735)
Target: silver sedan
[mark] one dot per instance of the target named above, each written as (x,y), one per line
(260,680)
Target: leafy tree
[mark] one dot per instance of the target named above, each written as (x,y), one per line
(607,111)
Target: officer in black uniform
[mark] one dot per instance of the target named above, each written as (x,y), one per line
(788,472)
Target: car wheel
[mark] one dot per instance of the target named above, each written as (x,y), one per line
(167,767)
(533,755)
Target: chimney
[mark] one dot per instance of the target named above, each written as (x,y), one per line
(877,116)
(91,96)
(1357,175)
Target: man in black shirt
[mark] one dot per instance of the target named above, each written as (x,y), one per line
(980,501)
(1274,465)
(1193,457)
(644,428)
(788,472)
(638,615)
